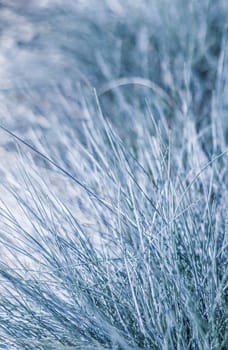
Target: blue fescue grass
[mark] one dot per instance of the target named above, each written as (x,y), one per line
(113,229)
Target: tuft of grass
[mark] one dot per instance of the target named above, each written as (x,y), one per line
(113,199)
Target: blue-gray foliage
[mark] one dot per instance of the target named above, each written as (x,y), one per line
(114,187)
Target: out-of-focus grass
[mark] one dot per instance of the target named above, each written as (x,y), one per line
(113,229)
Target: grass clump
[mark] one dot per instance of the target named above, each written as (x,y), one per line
(113,230)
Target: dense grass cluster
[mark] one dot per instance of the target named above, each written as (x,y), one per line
(114,187)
